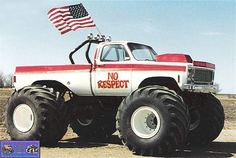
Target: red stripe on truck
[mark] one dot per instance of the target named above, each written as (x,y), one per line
(123,67)
(142,67)
(159,67)
(43,69)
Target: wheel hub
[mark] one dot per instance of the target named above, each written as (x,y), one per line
(151,121)
(85,121)
(145,122)
(86,115)
(23,117)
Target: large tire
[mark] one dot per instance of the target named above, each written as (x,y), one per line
(211,121)
(92,121)
(153,121)
(33,113)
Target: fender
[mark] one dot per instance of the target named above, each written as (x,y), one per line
(161,81)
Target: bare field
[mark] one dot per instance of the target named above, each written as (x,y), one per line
(71,146)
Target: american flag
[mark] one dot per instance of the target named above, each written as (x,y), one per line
(70,18)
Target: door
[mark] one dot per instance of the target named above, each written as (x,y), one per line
(113,72)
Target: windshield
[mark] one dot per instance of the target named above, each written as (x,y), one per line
(142,52)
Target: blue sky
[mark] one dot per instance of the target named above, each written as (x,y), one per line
(206,30)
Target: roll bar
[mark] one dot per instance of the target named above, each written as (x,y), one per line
(87,51)
(96,40)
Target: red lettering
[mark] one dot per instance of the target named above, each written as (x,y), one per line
(117,84)
(100,84)
(108,84)
(126,83)
(113,82)
(121,84)
(104,84)
(113,76)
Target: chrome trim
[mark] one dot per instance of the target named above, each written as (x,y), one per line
(201,88)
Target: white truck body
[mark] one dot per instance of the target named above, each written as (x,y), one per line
(119,78)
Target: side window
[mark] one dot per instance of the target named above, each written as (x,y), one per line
(113,53)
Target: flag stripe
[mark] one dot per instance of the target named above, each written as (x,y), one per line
(62,14)
(59,22)
(80,23)
(69,18)
(80,20)
(54,10)
(58,12)
(59,15)
(89,26)
(61,25)
(65,30)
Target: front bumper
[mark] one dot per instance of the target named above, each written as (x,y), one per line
(201,88)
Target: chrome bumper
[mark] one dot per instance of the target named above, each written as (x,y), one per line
(201,88)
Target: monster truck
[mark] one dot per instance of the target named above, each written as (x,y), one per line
(157,103)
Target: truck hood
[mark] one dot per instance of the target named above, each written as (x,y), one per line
(183,58)
(180,58)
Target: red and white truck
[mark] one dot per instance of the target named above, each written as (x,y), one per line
(157,103)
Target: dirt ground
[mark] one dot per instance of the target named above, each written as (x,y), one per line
(72,147)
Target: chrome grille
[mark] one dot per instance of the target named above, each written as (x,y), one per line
(203,76)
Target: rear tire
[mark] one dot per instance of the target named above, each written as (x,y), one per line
(153,121)
(93,121)
(41,119)
(211,121)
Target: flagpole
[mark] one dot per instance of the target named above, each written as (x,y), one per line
(98,30)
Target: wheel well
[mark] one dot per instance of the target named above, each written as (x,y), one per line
(52,84)
(161,81)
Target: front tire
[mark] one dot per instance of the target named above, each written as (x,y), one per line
(33,113)
(210,120)
(153,121)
